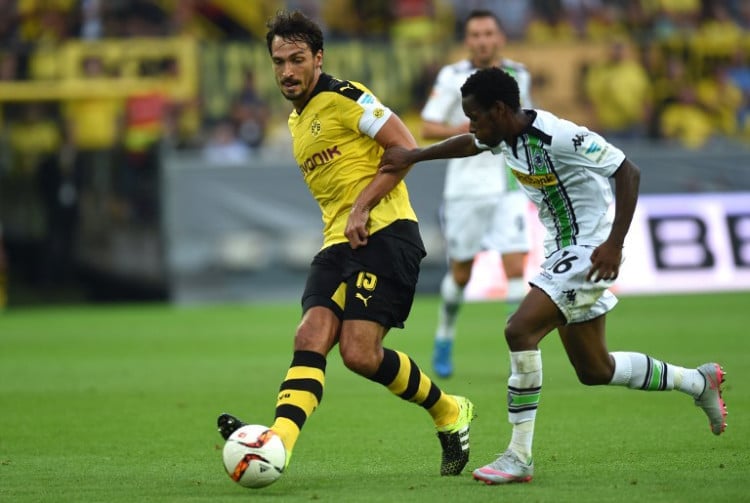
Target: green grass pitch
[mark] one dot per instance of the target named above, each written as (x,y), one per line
(118,403)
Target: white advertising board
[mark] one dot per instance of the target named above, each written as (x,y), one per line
(677,243)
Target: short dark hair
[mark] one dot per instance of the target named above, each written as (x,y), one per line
(480,13)
(294,26)
(489,85)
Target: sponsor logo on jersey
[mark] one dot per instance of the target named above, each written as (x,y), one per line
(595,151)
(319,159)
(578,140)
(536,181)
(366,99)
(592,149)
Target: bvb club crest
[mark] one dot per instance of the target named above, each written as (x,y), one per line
(315,127)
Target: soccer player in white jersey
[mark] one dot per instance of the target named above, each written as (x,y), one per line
(565,169)
(483,207)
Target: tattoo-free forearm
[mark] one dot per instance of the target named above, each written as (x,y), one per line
(377,189)
(453,147)
(627,180)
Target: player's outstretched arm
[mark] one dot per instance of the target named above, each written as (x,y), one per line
(398,159)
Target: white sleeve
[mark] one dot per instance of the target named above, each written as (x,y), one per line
(443,99)
(374,114)
(578,146)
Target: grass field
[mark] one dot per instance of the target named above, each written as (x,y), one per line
(118,403)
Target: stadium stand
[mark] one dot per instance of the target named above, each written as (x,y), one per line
(170,75)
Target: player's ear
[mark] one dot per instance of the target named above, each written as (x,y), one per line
(505,109)
(497,109)
(318,57)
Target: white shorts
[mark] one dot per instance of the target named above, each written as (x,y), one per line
(510,231)
(490,222)
(563,279)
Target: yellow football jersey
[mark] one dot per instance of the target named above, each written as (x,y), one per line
(337,155)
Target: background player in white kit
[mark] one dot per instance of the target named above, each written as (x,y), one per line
(483,207)
(565,170)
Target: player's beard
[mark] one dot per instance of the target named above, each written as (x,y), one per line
(292,95)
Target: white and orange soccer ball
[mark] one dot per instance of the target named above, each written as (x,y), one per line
(254,456)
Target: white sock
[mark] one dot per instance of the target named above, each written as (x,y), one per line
(452,296)
(521,440)
(689,381)
(524,390)
(639,371)
(516,292)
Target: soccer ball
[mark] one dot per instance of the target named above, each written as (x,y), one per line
(254,456)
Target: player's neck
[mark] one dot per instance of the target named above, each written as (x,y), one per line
(300,102)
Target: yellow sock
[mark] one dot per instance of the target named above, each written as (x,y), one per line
(299,395)
(403,378)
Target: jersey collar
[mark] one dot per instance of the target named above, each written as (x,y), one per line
(529,129)
(323,84)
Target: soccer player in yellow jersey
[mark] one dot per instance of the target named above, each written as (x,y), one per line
(362,282)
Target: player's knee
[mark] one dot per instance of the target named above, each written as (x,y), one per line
(311,338)
(357,360)
(593,376)
(461,278)
(461,272)
(303,340)
(515,334)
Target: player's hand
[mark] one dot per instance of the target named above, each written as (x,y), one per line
(605,262)
(394,159)
(356,227)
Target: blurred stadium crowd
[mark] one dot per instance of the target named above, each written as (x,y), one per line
(692,54)
(91,91)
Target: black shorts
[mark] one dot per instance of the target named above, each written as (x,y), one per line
(375,282)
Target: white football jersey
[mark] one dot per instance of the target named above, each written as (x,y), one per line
(564,168)
(482,174)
